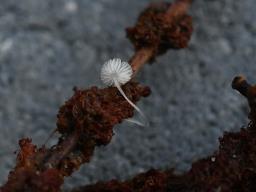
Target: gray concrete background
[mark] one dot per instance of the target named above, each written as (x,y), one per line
(49,46)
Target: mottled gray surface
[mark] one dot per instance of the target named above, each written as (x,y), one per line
(49,46)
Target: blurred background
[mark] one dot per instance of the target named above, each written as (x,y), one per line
(49,46)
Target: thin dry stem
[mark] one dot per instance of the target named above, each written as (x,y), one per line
(140,58)
(63,150)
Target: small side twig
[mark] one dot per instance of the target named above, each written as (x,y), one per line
(240,84)
(177,10)
(62,149)
(249,91)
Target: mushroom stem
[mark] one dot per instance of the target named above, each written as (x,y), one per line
(144,119)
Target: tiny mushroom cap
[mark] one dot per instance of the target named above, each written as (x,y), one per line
(116,70)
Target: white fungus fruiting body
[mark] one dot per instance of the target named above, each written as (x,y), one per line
(116,72)
(115,69)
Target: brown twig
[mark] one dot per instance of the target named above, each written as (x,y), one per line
(87,119)
(142,56)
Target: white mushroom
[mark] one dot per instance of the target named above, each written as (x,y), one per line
(116,73)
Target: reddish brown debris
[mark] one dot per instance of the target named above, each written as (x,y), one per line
(28,176)
(230,169)
(84,122)
(152,181)
(162,26)
(91,115)
(94,112)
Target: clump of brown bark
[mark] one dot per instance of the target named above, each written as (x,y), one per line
(162,26)
(84,122)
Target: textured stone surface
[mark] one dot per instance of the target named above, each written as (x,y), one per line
(47,47)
